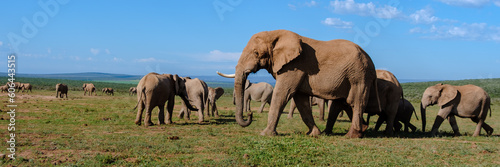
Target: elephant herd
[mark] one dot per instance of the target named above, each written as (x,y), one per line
(16,85)
(342,73)
(156,90)
(62,90)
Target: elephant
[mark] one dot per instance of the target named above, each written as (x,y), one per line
(404,114)
(108,91)
(213,95)
(197,91)
(4,88)
(389,94)
(467,101)
(303,67)
(25,86)
(155,90)
(314,101)
(132,91)
(261,92)
(15,85)
(61,89)
(89,87)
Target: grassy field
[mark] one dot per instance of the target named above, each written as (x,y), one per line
(100,131)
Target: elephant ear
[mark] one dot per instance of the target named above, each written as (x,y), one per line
(218,92)
(177,83)
(287,47)
(448,93)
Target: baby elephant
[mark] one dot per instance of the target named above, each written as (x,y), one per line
(61,89)
(468,101)
(405,111)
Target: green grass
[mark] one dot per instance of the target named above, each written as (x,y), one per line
(100,131)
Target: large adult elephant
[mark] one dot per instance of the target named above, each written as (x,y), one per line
(314,101)
(197,91)
(89,87)
(468,101)
(155,90)
(213,95)
(389,95)
(61,89)
(303,67)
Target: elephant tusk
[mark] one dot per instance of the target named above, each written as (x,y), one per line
(226,75)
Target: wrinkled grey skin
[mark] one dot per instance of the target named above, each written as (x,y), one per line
(468,101)
(197,92)
(405,112)
(89,87)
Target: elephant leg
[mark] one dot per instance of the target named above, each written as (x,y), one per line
(286,84)
(292,109)
(161,114)
(147,118)
(140,109)
(215,110)
(170,109)
(321,106)
(442,114)
(262,104)
(398,126)
(412,127)
(357,99)
(335,109)
(485,126)
(200,107)
(305,110)
(391,111)
(381,119)
(454,126)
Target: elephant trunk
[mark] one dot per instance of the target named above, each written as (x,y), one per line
(239,88)
(422,114)
(186,101)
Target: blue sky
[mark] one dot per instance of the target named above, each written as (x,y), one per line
(414,39)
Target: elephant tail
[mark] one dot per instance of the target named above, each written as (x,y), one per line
(141,97)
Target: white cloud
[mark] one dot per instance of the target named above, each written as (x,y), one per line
(117,59)
(364,9)
(465,31)
(94,51)
(219,56)
(311,4)
(89,59)
(424,16)
(337,23)
(467,3)
(497,3)
(107,51)
(292,7)
(49,50)
(151,59)
(1,43)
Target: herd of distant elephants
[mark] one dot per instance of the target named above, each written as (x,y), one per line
(308,72)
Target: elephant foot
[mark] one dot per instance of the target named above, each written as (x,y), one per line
(328,132)
(267,132)
(138,123)
(314,132)
(490,132)
(354,134)
(364,128)
(149,124)
(216,116)
(322,119)
(457,134)
(170,122)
